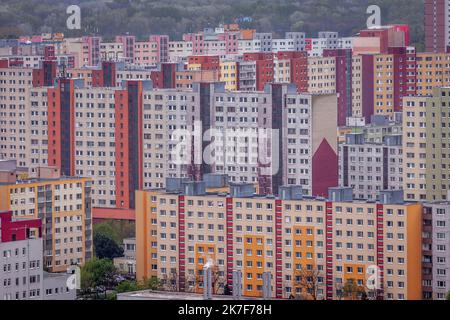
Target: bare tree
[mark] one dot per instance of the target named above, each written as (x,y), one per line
(170,282)
(217,282)
(339,289)
(353,291)
(191,281)
(308,282)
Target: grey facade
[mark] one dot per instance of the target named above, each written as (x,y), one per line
(369,168)
(55,287)
(436,250)
(21,275)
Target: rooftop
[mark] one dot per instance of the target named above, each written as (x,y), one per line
(164,295)
(38,180)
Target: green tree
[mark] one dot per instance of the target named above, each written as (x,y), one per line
(448,295)
(111,296)
(127,286)
(108,229)
(97,273)
(106,248)
(116,230)
(131,285)
(153,283)
(175,17)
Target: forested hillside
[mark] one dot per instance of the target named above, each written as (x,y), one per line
(174,17)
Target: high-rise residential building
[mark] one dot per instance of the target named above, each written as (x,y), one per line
(369,168)
(332,73)
(433,70)
(425,133)
(111,51)
(91,50)
(14,112)
(435,250)
(21,119)
(303,129)
(340,240)
(63,204)
(203,63)
(255,71)
(437,25)
(121,135)
(394,78)
(362,86)
(292,67)
(127,42)
(229,73)
(179,51)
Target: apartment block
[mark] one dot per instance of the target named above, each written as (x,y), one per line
(369,168)
(23,276)
(292,67)
(437,28)
(179,51)
(255,71)
(394,78)
(303,131)
(229,73)
(121,136)
(435,250)
(332,73)
(340,239)
(425,134)
(111,51)
(127,42)
(14,113)
(433,70)
(63,204)
(21,258)
(91,50)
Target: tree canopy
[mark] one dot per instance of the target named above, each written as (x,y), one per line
(116,230)
(175,17)
(97,273)
(106,247)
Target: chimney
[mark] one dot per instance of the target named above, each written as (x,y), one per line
(267,286)
(207,282)
(237,285)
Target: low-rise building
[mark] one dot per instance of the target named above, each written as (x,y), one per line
(21,261)
(127,263)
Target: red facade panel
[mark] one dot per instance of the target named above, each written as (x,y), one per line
(324,169)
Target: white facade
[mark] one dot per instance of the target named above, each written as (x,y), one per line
(179,50)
